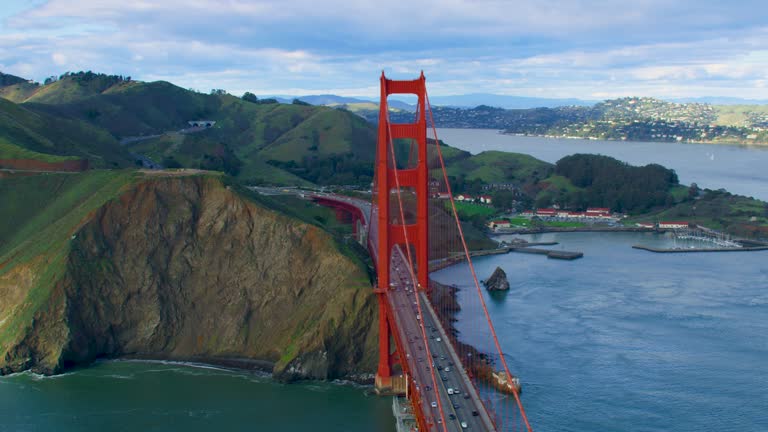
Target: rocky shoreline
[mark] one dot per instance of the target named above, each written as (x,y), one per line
(445,296)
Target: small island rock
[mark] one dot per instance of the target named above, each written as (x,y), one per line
(497,281)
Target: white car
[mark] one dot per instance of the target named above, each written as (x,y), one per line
(438,339)
(464,425)
(434,404)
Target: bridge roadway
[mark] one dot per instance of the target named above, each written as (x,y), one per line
(458,408)
(465,405)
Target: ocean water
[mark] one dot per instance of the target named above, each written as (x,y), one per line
(738,169)
(153,396)
(630,340)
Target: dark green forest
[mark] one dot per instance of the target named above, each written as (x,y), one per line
(606,182)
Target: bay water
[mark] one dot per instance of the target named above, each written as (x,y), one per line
(737,169)
(629,340)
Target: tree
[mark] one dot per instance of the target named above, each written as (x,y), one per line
(250,97)
(218,92)
(693,191)
(170,162)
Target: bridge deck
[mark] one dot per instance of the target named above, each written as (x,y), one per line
(459,407)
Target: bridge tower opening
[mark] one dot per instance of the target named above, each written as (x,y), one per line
(393,228)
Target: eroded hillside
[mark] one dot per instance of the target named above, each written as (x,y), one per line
(185,268)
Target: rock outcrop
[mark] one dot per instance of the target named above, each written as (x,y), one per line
(186,269)
(497,281)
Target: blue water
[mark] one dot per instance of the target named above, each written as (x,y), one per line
(629,340)
(142,396)
(738,169)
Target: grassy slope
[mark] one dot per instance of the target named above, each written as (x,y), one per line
(18,92)
(735,115)
(500,167)
(716,210)
(43,133)
(469,210)
(12,151)
(46,210)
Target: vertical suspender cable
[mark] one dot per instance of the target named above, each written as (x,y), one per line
(474,274)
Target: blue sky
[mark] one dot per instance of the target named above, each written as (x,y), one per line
(590,49)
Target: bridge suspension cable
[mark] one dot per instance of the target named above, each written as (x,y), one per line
(475,280)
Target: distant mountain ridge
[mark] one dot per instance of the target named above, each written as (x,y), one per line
(505,101)
(721,100)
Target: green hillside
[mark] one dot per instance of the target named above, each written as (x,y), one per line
(52,207)
(738,215)
(51,135)
(499,167)
(256,142)
(12,151)
(19,92)
(69,87)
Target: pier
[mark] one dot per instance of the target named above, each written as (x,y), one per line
(706,249)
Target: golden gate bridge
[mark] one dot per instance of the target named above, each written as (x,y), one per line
(452,380)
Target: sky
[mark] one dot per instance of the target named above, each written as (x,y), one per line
(588,49)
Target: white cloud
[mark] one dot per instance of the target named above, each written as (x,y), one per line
(59,58)
(558,48)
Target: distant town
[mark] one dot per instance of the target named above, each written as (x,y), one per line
(630,119)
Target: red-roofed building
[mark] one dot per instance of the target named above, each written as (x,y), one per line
(598,212)
(548,212)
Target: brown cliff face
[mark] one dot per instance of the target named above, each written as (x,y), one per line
(183,268)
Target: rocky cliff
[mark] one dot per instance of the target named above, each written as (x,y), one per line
(184,268)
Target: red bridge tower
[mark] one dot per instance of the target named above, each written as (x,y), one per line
(392,229)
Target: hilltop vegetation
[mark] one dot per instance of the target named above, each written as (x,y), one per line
(603,181)
(256,140)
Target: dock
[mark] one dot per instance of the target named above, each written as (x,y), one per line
(554,254)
